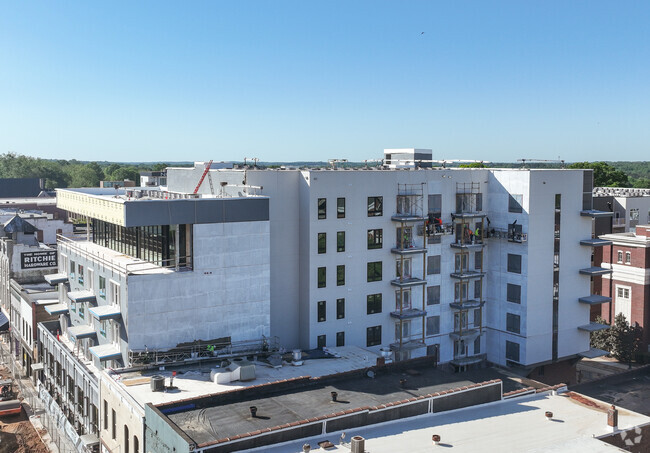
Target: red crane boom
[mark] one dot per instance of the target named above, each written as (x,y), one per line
(205,172)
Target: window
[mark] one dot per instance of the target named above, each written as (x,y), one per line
(403,299)
(460,291)
(460,320)
(375,206)
(478,289)
(80,275)
(322,208)
(512,351)
(340,339)
(322,275)
(321,341)
(375,239)
(340,308)
(477,345)
(620,256)
(102,287)
(340,208)
(514,293)
(433,264)
(340,275)
(433,325)
(106,415)
(72,269)
(91,279)
(114,431)
(515,202)
(126,439)
(435,203)
(403,268)
(634,214)
(478,317)
(136,445)
(373,303)
(322,311)
(433,295)
(115,293)
(461,261)
(469,202)
(102,328)
(514,263)
(340,241)
(513,323)
(322,243)
(82,312)
(478,260)
(373,336)
(628,258)
(402,330)
(374,271)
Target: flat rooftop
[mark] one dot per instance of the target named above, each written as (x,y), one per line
(513,425)
(209,423)
(193,380)
(630,390)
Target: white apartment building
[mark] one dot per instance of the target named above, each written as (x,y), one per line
(159,278)
(630,207)
(384,258)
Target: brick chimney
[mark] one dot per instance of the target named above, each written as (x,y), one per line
(643,230)
(612,418)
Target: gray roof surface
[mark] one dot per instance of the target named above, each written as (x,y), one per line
(630,390)
(217,422)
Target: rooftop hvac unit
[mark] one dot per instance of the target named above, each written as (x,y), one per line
(157,383)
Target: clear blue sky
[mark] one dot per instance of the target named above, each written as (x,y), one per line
(307,80)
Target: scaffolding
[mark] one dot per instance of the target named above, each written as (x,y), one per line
(470,235)
(409,217)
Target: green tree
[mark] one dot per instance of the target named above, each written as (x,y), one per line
(601,339)
(123,173)
(623,338)
(473,165)
(604,174)
(87,175)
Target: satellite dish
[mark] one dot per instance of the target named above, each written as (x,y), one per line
(370,374)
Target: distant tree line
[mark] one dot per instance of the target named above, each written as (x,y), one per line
(71,173)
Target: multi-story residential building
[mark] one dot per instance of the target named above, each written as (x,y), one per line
(158,276)
(630,207)
(464,264)
(627,288)
(153,178)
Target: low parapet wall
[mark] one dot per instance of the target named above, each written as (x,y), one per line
(456,398)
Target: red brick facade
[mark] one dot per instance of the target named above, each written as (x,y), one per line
(639,259)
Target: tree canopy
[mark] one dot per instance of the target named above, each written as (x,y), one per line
(604,174)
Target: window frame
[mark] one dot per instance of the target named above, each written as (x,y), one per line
(513,323)
(321,311)
(374,303)
(321,277)
(512,269)
(340,275)
(375,211)
(340,241)
(321,243)
(428,332)
(434,269)
(340,308)
(374,271)
(515,203)
(508,299)
(436,300)
(373,336)
(340,213)
(321,208)
(375,238)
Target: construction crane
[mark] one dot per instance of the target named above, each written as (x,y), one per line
(205,172)
(555,161)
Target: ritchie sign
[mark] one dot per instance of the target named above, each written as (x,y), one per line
(46,258)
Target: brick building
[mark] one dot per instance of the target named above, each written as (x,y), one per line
(628,256)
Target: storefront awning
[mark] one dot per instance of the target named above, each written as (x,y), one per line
(105,312)
(55,279)
(79,332)
(81,296)
(106,352)
(56,309)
